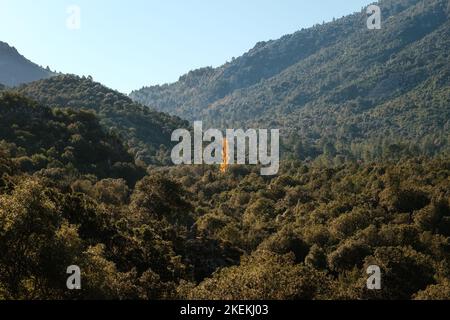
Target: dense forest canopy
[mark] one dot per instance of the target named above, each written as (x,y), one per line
(55,141)
(192,232)
(68,196)
(86,178)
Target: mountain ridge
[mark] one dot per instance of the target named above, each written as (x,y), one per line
(15,69)
(275,56)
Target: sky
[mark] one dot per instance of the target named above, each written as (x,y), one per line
(130,44)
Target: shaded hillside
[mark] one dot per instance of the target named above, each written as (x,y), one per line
(37,138)
(337,84)
(146,132)
(16,69)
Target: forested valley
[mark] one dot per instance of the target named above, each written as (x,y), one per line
(86,177)
(71,194)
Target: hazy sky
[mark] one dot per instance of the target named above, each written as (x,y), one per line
(129,44)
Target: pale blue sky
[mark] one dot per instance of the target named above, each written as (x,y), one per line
(129,44)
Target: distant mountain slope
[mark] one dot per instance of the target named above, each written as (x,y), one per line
(147,133)
(16,69)
(199,88)
(338,83)
(38,138)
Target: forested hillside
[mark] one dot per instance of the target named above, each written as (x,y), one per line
(336,88)
(195,233)
(86,178)
(57,142)
(16,69)
(68,195)
(146,132)
(199,88)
